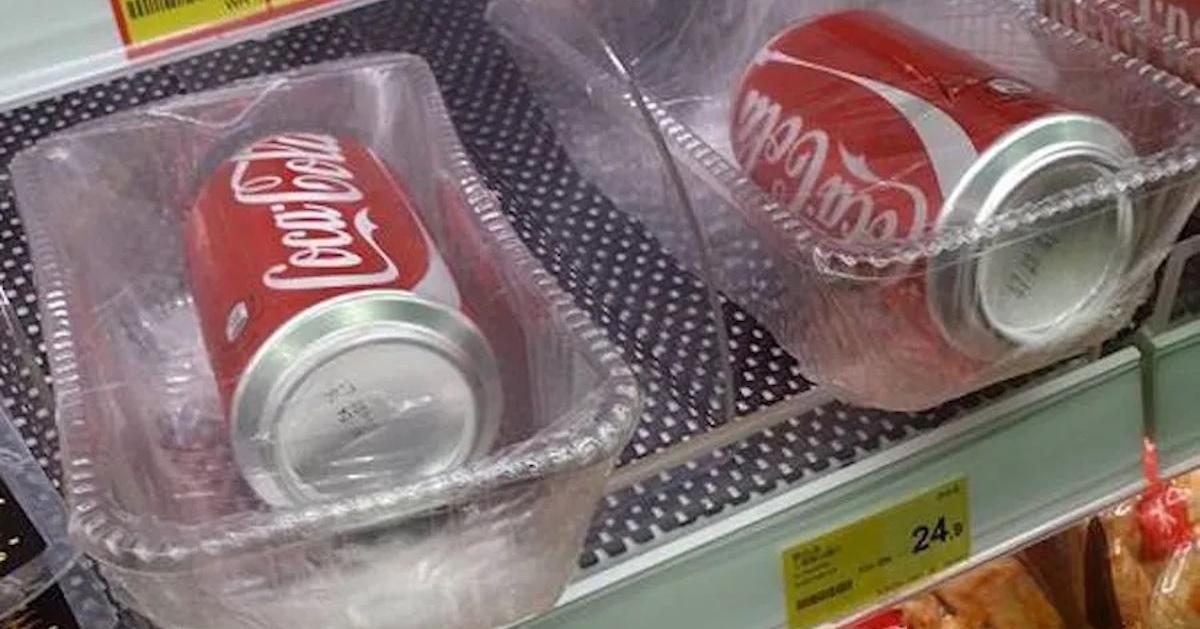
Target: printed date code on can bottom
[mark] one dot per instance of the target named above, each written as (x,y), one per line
(841,571)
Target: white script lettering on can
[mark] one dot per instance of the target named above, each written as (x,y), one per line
(304,205)
(843,203)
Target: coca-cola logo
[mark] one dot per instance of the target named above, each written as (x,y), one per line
(841,196)
(814,173)
(304,188)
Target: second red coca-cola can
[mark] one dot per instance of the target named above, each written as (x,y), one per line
(334,326)
(877,135)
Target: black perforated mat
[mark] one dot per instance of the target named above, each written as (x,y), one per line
(1187,300)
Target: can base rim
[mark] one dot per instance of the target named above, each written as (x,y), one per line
(259,401)
(953,290)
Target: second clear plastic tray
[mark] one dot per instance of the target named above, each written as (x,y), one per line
(626,76)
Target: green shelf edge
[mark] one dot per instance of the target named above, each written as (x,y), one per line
(1172,360)
(1035,462)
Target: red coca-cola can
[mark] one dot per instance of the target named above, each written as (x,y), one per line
(875,133)
(335,328)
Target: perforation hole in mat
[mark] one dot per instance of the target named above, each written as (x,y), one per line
(616,272)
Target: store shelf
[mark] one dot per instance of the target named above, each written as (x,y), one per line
(1029,467)
(1037,454)
(1173,360)
(1170,343)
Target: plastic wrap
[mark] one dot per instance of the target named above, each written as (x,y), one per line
(854,307)
(155,488)
(1140,565)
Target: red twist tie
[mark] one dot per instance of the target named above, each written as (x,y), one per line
(1162,512)
(890,619)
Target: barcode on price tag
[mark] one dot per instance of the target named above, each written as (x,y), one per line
(834,574)
(144,21)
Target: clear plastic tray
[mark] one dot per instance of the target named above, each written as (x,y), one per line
(624,77)
(154,492)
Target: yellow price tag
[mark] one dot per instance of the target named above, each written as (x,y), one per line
(145,21)
(831,575)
